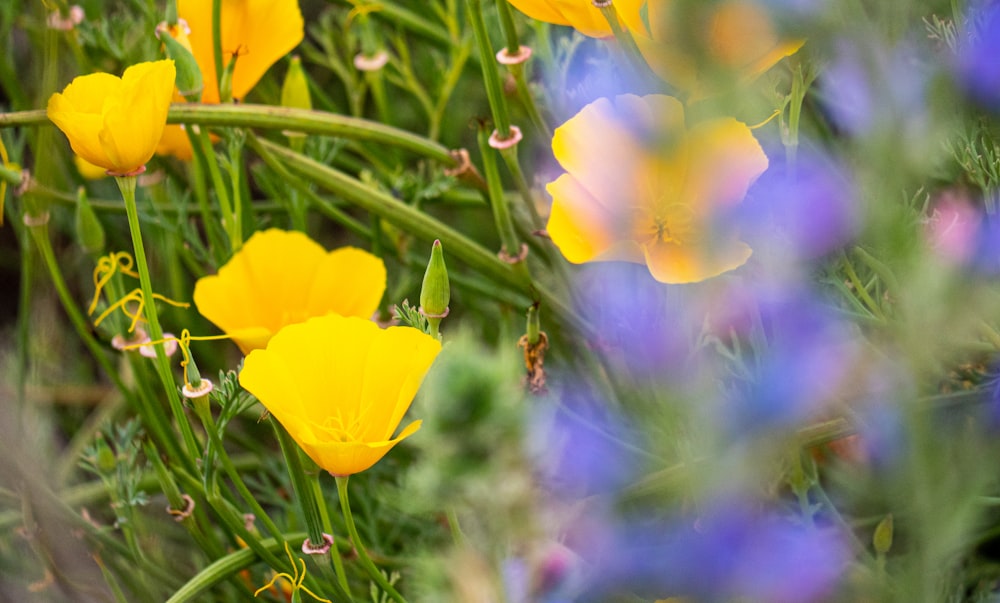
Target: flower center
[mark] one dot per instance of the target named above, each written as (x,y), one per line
(674,223)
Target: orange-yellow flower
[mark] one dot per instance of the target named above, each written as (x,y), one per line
(340,386)
(640,187)
(258,32)
(112,122)
(691,44)
(280,278)
(581,15)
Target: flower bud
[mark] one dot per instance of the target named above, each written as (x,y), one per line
(295,88)
(882,539)
(89,232)
(435,292)
(105,460)
(189,80)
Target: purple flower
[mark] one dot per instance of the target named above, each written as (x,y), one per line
(805,355)
(866,90)
(582,448)
(800,211)
(731,550)
(644,326)
(976,64)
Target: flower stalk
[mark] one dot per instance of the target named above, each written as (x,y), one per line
(352,530)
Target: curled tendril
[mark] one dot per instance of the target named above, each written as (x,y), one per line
(135,295)
(184,343)
(296,580)
(107,266)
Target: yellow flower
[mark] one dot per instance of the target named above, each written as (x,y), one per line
(640,187)
(689,45)
(89,170)
(582,15)
(112,122)
(280,278)
(259,32)
(340,386)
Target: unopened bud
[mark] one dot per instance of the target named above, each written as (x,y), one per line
(175,43)
(105,460)
(89,232)
(435,292)
(882,539)
(295,88)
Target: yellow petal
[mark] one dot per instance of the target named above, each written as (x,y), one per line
(582,15)
(725,159)
(89,170)
(284,277)
(602,146)
(676,264)
(340,386)
(578,224)
(260,32)
(350,280)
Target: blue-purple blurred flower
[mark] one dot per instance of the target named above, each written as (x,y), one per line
(647,327)
(800,211)
(867,90)
(582,448)
(730,550)
(805,356)
(976,64)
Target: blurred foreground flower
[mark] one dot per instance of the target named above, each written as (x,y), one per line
(581,15)
(280,278)
(112,122)
(257,32)
(730,551)
(691,44)
(340,386)
(977,67)
(801,210)
(640,188)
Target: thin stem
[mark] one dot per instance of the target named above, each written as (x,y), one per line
(491,77)
(498,201)
(374,572)
(127,186)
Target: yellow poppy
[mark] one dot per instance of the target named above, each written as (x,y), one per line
(112,122)
(640,187)
(340,386)
(581,15)
(258,32)
(89,170)
(280,278)
(691,44)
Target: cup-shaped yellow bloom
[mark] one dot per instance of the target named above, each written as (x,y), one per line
(258,32)
(690,43)
(340,386)
(581,15)
(113,122)
(641,187)
(280,278)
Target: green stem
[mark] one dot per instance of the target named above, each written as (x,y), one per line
(334,554)
(300,484)
(491,77)
(374,572)
(127,186)
(217,42)
(508,27)
(221,192)
(498,201)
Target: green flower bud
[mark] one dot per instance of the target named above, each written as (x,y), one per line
(105,460)
(89,232)
(882,539)
(189,80)
(435,293)
(295,88)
